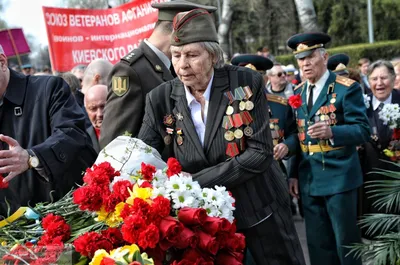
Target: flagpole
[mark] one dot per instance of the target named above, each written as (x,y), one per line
(14,47)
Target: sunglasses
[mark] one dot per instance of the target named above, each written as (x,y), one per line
(280,74)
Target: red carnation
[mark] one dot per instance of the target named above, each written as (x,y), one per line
(49,219)
(148,171)
(208,243)
(89,198)
(146,184)
(113,235)
(131,228)
(140,207)
(173,167)
(126,211)
(295,101)
(160,208)
(88,243)
(3,185)
(111,201)
(149,237)
(192,216)
(121,188)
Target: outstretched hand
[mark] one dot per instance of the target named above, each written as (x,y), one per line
(13,161)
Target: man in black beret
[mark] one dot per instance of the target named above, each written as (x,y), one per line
(338,64)
(139,72)
(332,122)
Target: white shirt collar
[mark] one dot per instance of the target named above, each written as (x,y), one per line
(206,95)
(376,102)
(321,82)
(160,54)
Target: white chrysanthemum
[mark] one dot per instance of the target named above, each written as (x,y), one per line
(211,210)
(366,101)
(182,199)
(192,186)
(160,191)
(175,183)
(160,176)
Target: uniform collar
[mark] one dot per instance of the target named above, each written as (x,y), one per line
(15,91)
(321,82)
(166,61)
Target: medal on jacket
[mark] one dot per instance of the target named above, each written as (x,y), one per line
(232,149)
(179,138)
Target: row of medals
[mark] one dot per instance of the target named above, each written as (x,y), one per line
(238,133)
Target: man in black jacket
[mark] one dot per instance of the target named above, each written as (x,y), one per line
(44,145)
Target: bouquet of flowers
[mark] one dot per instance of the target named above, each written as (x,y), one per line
(390,115)
(139,214)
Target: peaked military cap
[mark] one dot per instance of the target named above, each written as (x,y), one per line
(304,44)
(338,63)
(255,62)
(168,10)
(196,25)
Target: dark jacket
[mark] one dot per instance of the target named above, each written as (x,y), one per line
(143,70)
(41,114)
(253,176)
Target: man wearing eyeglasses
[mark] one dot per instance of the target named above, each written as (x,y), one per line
(277,83)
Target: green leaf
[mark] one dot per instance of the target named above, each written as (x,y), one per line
(138,257)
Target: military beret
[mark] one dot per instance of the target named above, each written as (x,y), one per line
(304,44)
(195,25)
(260,63)
(168,10)
(338,63)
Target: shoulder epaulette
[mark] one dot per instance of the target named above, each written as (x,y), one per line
(299,85)
(277,99)
(132,57)
(344,80)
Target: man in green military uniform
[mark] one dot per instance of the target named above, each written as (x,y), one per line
(139,72)
(332,122)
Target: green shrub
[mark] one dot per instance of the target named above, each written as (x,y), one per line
(378,50)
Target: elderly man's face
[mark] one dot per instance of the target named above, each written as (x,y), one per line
(313,66)
(193,65)
(278,77)
(381,83)
(95,100)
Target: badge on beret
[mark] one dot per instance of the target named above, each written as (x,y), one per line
(120,85)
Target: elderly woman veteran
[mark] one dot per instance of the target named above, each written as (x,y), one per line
(381,77)
(213,119)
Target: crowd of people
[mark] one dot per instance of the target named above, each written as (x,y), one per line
(266,131)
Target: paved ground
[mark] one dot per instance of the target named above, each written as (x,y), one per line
(301,231)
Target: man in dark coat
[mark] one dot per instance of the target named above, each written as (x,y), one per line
(139,72)
(227,140)
(44,145)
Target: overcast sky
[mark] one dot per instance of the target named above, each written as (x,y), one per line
(28,15)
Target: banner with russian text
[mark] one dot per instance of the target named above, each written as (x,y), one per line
(78,36)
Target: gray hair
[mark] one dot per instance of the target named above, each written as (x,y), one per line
(215,50)
(271,71)
(322,51)
(379,63)
(99,67)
